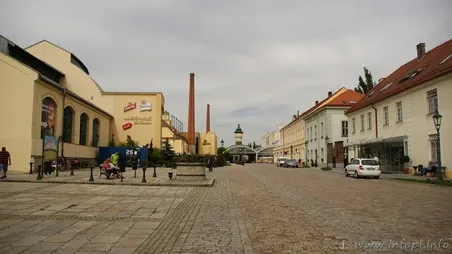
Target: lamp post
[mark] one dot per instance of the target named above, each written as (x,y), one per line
(62,125)
(437,121)
(326,142)
(222,143)
(291,152)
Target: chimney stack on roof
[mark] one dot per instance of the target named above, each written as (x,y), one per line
(316,103)
(298,113)
(330,94)
(420,50)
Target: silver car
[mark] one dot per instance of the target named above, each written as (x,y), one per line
(291,163)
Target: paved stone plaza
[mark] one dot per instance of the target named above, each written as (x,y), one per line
(250,209)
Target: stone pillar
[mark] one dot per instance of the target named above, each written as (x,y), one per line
(191,115)
(208,119)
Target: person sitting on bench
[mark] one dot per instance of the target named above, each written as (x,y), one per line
(431,168)
(112,169)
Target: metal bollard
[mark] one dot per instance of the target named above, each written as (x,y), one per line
(144,176)
(72,171)
(155,173)
(39,177)
(91,177)
(31,168)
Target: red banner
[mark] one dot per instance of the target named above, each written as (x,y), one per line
(127,126)
(130,106)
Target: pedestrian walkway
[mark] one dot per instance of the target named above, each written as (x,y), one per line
(131,177)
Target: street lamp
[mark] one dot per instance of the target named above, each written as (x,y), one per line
(326,141)
(437,121)
(291,152)
(222,143)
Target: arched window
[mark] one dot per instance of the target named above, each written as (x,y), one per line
(48,116)
(68,123)
(83,129)
(96,127)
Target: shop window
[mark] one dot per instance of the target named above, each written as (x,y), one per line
(68,123)
(96,127)
(48,115)
(83,129)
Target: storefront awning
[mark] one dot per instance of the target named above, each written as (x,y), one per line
(376,141)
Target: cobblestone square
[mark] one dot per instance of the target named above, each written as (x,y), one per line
(256,208)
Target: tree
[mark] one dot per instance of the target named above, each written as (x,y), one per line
(365,87)
(129,142)
(168,153)
(254,145)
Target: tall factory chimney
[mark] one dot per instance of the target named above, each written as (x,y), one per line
(208,119)
(191,115)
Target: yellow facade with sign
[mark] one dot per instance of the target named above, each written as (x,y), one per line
(52,93)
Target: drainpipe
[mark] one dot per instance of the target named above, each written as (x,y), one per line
(376,123)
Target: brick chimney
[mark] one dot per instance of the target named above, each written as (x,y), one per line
(330,94)
(420,50)
(208,119)
(316,103)
(191,114)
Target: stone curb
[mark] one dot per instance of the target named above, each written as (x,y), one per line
(165,184)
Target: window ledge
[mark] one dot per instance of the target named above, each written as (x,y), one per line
(344,136)
(429,114)
(399,122)
(362,131)
(386,125)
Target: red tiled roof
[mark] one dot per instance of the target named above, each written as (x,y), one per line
(347,98)
(175,132)
(410,75)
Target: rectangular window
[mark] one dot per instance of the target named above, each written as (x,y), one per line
(399,111)
(344,128)
(433,147)
(321,130)
(432,101)
(362,122)
(353,125)
(311,133)
(307,133)
(369,121)
(315,133)
(386,115)
(321,151)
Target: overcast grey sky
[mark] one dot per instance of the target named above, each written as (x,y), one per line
(256,62)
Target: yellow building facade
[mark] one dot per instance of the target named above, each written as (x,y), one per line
(292,143)
(47,90)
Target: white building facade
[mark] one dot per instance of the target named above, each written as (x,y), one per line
(394,120)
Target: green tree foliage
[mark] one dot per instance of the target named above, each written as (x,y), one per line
(129,142)
(365,86)
(168,153)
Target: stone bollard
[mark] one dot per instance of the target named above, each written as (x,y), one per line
(155,173)
(31,168)
(72,171)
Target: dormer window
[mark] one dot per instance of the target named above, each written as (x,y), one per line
(386,87)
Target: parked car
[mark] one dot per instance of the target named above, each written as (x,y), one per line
(363,167)
(291,163)
(280,162)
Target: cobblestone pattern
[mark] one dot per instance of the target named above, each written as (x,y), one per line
(219,226)
(77,218)
(178,223)
(304,211)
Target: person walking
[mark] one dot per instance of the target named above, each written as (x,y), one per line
(5,160)
(211,161)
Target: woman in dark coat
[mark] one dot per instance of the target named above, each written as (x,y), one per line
(122,163)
